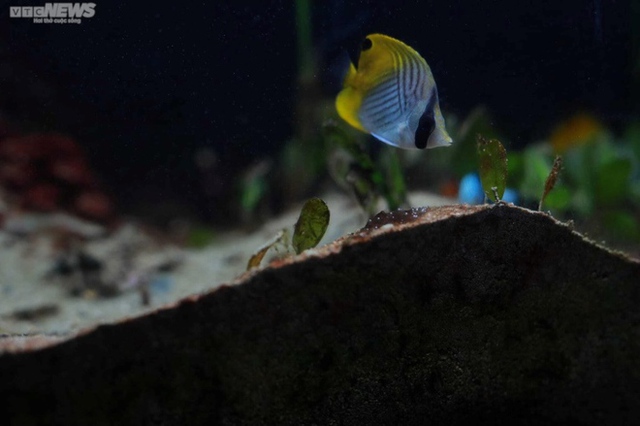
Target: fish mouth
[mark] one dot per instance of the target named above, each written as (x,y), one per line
(355,49)
(354,55)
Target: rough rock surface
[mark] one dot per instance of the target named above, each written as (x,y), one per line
(459,315)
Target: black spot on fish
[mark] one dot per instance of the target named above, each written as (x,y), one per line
(366,44)
(427,123)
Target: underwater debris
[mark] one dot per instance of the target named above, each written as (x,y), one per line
(492,165)
(254,261)
(311,225)
(281,237)
(551,180)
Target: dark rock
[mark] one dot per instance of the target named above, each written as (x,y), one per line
(466,315)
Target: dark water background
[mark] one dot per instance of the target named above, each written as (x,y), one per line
(145,86)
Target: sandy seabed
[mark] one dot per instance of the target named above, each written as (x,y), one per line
(26,263)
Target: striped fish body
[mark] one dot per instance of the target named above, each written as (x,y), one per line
(391,94)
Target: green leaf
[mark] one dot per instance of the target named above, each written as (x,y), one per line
(632,138)
(352,167)
(622,225)
(493,167)
(612,181)
(311,225)
(634,191)
(252,193)
(582,201)
(464,152)
(200,237)
(515,168)
(536,170)
(395,190)
(559,199)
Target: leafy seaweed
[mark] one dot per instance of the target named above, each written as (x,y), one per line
(462,155)
(622,225)
(612,181)
(535,169)
(492,167)
(311,225)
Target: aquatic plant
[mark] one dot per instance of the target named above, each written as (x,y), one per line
(253,188)
(601,180)
(303,159)
(311,225)
(551,179)
(492,164)
(353,169)
(308,231)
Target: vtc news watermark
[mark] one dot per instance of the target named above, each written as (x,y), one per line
(54,13)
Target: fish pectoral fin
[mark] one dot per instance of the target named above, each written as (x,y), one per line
(399,136)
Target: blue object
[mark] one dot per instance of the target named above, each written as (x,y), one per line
(470,191)
(510,196)
(161,284)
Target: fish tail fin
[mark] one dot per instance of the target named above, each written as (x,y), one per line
(439,137)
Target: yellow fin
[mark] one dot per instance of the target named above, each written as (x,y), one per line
(349,100)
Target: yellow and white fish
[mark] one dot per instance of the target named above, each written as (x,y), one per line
(390,93)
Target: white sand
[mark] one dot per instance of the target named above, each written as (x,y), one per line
(25,262)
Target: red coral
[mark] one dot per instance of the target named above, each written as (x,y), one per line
(94,205)
(42,197)
(49,172)
(71,170)
(16,175)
